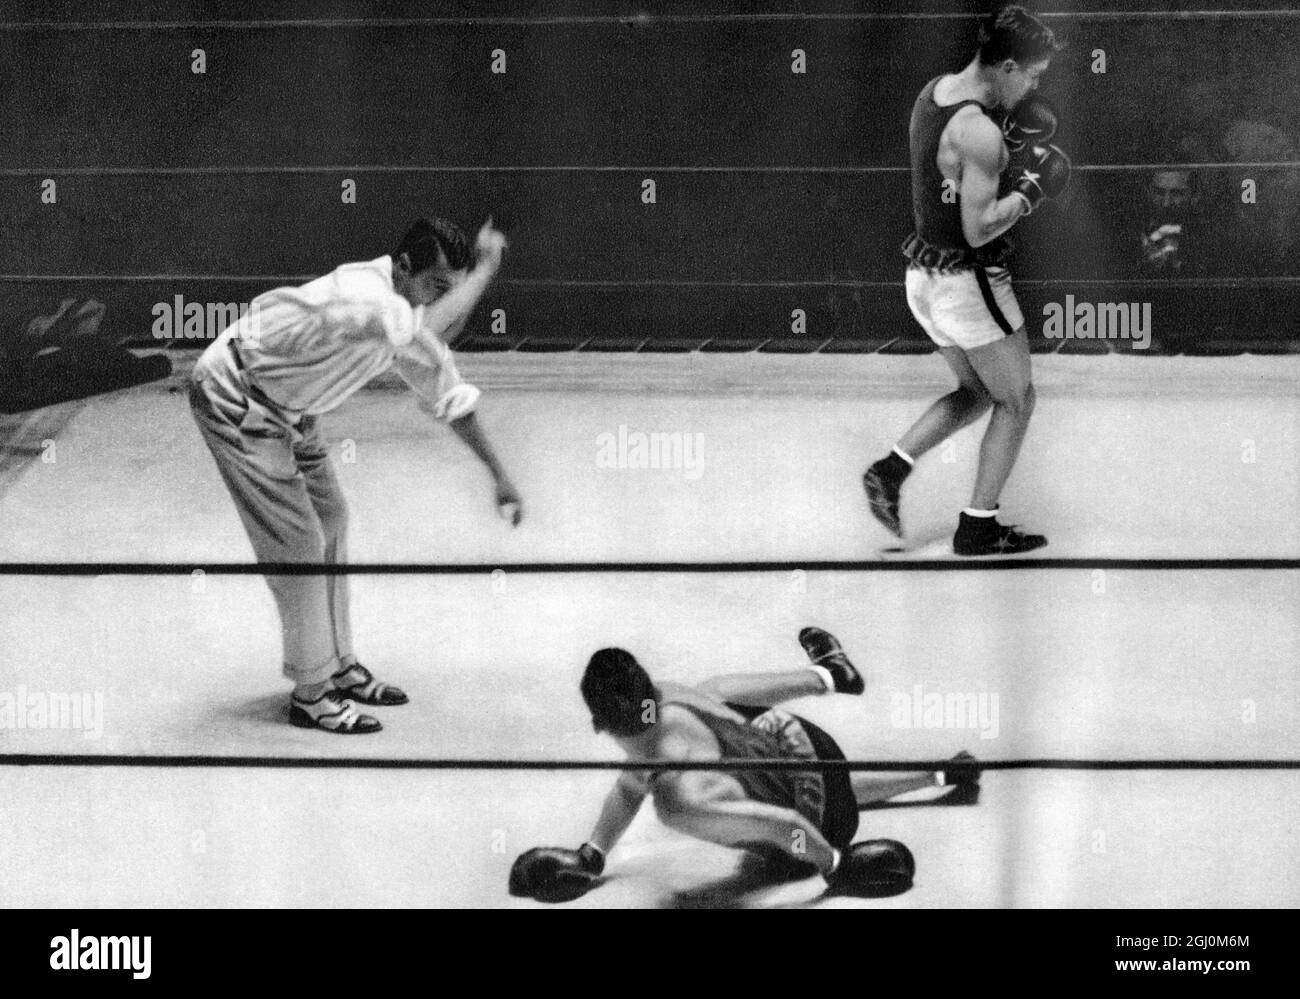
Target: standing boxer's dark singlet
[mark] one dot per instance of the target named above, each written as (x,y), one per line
(939,242)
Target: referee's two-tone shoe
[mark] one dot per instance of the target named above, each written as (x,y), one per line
(359,684)
(331,712)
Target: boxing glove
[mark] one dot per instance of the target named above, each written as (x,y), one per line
(1032,122)
(1045,175)
(554,874)
(874,868)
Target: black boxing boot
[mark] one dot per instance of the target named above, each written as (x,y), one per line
(965,783)
(985,536)
(825,651)
(883,482)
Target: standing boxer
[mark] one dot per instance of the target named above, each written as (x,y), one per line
(257,394)
(958,286)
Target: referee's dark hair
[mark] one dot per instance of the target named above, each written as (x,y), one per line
(1014,33)
(427,237)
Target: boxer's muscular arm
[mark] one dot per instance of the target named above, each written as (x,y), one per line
(979,145)
(621,805)
(713,807)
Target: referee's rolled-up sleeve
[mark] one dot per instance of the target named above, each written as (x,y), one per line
(460,400)
(427,365)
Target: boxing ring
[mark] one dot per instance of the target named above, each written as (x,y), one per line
(697,344)
(1152,638)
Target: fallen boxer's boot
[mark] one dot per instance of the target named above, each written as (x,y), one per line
(965,783)
(825,651)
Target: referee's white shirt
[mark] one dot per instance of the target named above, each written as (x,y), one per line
(310,347)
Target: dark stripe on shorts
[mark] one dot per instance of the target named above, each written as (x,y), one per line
(840,815)
(986,289)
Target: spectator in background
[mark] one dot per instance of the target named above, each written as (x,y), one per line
(1169,240)
(1253,237)
(1260,235)
(70,353)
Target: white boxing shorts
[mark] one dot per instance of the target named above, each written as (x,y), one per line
(964,308)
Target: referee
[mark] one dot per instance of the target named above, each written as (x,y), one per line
(257,393)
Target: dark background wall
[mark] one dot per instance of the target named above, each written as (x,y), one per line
(220,185)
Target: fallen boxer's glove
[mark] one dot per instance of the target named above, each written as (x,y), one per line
(874,868)
(554,874)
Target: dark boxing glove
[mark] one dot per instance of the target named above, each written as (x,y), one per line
(1032,122)
(1046,172)
(874,868)
(553,874)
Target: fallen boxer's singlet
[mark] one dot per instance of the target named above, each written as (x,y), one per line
(771,734)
